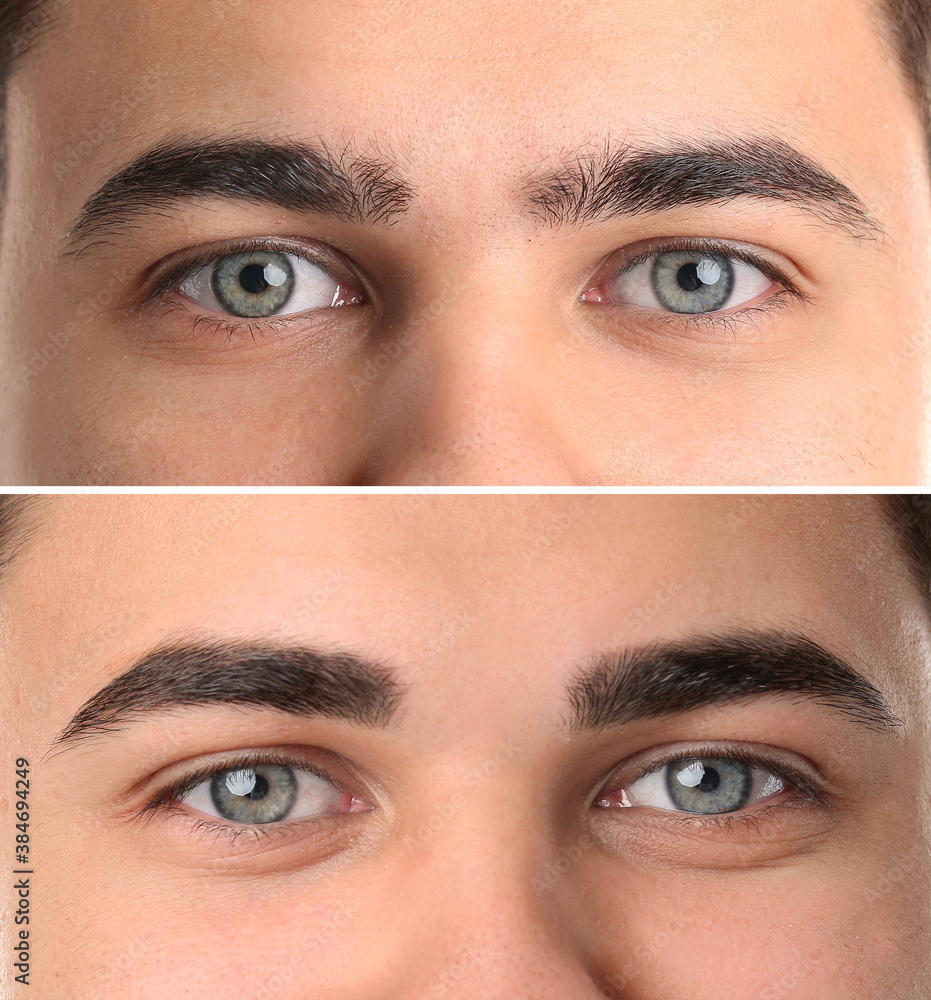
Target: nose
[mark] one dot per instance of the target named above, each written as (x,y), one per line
(474,398)
(492,933)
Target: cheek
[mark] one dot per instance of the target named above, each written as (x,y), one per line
(143,940)
(768,935)
(230,427)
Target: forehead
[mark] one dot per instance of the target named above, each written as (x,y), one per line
(476,91)
(394,569)
(372,62)
(479,603)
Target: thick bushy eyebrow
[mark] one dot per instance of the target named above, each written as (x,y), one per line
(300,681)
(672,678)
(293,175)
(623,181)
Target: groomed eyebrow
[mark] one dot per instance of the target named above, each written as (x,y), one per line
(624,181)
(672,678)
(292,175)
(300,681)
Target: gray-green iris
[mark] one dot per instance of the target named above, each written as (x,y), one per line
(257,283)
(709,784)
(261,794)
(690,281)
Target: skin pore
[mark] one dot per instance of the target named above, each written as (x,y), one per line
(470,836)
(484,331)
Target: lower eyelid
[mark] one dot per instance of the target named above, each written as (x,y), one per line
(182,325)
(715,326)
(299,842)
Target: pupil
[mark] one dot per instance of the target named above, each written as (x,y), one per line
(260,789)
(252,278)
(688,278)
(710,780)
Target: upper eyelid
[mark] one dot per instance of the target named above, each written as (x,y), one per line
(176,274)
(174,791)
(318,257)
(815,786)
(733,251)
(772,767)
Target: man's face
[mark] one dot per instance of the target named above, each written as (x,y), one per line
(568,243)
(482,831)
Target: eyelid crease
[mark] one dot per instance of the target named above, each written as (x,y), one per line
(204,258)
(171,795)
(799,781)
(722,248)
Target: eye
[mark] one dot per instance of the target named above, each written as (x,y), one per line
(686,281)
(703,785)
(268,793)
(261,283)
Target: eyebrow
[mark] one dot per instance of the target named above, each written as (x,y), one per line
(672,678)
(623,181)
(293,175)
(300,681)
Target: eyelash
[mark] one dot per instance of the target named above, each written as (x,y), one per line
(710,246)
(168,799)
(719,321)
(161,295)
(805,792)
